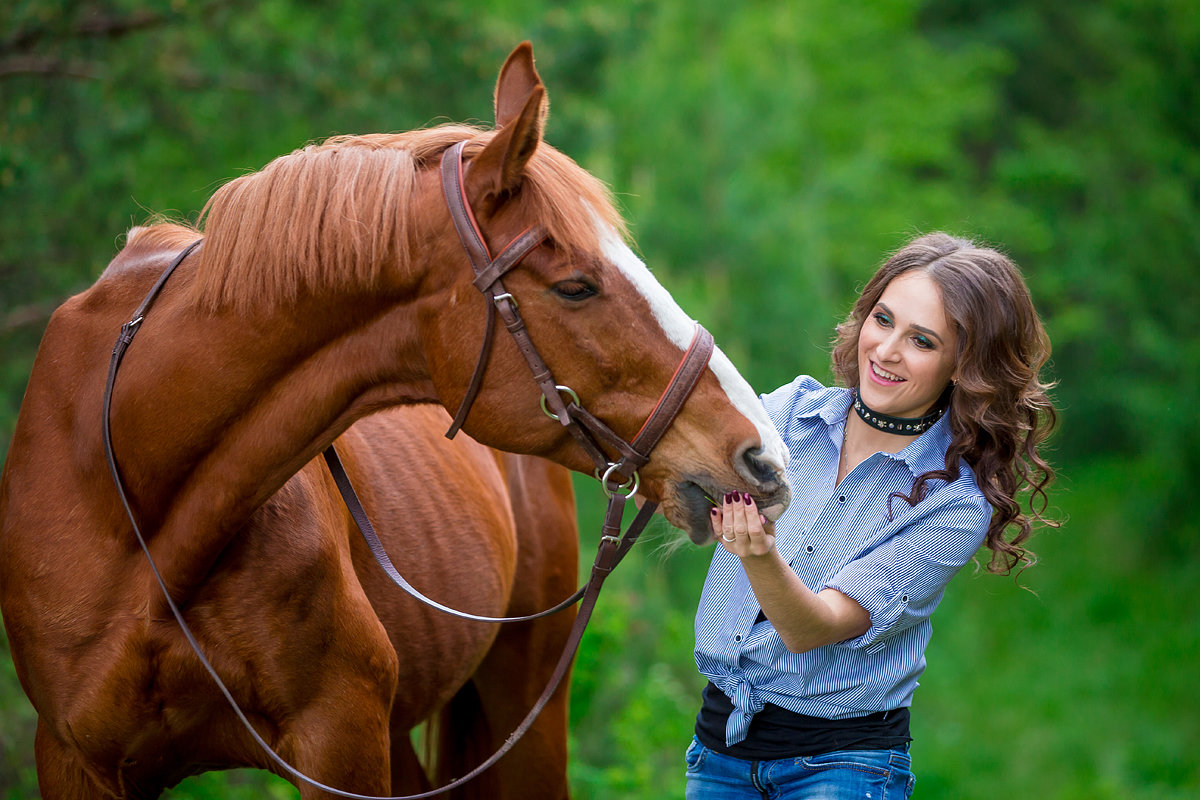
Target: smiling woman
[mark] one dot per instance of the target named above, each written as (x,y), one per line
(812,631)
(907,355)
(1001,412)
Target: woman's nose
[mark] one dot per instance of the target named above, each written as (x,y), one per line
(888,349)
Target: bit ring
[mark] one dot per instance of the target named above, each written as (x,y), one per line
(562,389)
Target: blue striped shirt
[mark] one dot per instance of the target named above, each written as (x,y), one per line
(841,537)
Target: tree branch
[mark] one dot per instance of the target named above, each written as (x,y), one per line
(46,65)
(106,27)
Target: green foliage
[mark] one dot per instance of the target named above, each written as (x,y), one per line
(791,159)
(17,722)
(767,159)
(1072,681)
(244,784)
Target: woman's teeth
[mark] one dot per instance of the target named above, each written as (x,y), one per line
(887,376)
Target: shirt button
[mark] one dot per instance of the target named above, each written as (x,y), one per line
(809,549)
(842,498)
(737,638)
(903,598)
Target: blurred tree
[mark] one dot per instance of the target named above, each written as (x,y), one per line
(767,158)
(1096,142)
(800,145)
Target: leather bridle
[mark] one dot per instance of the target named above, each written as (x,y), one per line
(588,430)
(584,426)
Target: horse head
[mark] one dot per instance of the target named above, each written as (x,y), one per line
(601,322)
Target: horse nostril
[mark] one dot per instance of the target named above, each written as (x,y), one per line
(766,479)
(762,473)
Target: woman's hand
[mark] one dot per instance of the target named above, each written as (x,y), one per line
(803,619)
(740,528)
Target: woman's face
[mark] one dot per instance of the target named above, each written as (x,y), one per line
(906,348)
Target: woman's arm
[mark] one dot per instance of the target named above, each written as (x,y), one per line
(803,618)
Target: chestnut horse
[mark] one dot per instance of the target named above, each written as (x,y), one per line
(332,286)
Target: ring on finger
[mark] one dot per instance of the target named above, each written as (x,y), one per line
(725,538)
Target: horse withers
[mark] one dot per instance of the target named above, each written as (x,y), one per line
(330,286)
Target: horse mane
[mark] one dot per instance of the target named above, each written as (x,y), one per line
(158,234)
(337,215)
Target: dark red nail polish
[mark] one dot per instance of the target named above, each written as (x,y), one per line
(729,497)
(712,511)
(746,498)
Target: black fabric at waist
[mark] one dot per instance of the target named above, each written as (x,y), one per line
(776,732)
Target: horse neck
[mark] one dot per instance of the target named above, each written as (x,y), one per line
(217,412)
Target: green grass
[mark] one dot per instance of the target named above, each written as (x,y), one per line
(1080,685)
(1086,690)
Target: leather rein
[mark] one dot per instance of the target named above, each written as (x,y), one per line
(589,431)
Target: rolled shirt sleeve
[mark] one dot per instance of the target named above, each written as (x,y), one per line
(900,582)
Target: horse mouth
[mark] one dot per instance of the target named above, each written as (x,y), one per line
(693,503)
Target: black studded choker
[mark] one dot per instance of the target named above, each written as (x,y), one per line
(905,426)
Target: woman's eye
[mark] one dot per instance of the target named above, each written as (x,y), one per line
(923,342)
(883,319)
(574,290)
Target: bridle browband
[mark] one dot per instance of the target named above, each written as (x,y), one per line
(588,430)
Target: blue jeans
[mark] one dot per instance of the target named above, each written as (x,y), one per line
(843,775)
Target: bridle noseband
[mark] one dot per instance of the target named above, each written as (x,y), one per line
(589,431)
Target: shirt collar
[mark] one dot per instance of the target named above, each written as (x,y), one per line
(925,453)
(830,404)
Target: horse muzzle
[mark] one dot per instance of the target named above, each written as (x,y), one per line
(693,501)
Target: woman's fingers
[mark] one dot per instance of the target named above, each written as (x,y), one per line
(718,519)
(739,527)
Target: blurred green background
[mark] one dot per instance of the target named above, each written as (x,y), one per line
(766,154)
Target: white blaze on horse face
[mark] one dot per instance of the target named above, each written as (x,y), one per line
(679,328)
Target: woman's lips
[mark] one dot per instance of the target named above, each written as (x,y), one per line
(883,377)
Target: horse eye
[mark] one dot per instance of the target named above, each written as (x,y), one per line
(575,290)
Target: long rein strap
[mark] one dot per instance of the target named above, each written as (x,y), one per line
(672,399)
(363,522)
(680,387)
(611,551)
(612,547)
(678,390)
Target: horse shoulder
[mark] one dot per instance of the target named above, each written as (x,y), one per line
(73,356)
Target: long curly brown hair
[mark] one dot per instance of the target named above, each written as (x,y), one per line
(1000,411)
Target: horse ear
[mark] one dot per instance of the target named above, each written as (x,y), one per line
(518,79)
(520,118)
